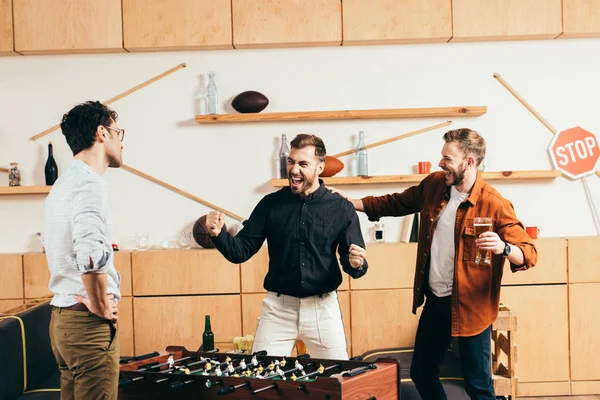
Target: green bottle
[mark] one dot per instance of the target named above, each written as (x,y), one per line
(208,338)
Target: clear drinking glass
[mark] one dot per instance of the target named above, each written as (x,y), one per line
(482,224)
(141,240)
(184,240)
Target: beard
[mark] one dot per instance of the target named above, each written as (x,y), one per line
(301,183)
(456,176)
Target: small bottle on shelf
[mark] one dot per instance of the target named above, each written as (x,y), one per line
(284,153)
(51,169)
(212,95)
(362,157)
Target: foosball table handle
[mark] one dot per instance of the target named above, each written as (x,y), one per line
(174,386)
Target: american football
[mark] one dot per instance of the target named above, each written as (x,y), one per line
(332,167)
(250,102)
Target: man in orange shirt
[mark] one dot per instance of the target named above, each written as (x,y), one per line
(463,297)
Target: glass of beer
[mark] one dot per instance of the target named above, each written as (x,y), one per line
(482,224)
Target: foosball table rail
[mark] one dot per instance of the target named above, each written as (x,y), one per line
(182,374)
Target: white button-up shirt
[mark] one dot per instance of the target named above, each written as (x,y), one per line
(76,228)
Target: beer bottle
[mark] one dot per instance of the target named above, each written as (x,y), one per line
(208,338)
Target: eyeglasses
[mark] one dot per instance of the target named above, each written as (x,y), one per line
(121,132)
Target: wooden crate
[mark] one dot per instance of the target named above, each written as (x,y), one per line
(504,353)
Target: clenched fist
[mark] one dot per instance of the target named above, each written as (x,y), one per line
(214,222)
(357,256)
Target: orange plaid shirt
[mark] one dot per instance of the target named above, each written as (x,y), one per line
(476,288)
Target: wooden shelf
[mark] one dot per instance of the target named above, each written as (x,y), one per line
(16,190)
(416,178)
(442,112)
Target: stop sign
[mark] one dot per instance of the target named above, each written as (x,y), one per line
(575,152)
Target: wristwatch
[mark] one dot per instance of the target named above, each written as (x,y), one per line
(506,251)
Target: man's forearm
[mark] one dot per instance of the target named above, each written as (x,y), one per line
(358,204)
(95,286)
(516,256)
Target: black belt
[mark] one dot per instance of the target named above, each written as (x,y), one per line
(75,307)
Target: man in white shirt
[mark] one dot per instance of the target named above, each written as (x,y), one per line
(83,278)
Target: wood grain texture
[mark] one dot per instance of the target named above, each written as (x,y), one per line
(20,190)
(391,113)
(551,266)
(159,25)
(582,388)
(382,319)
(584,259)
(584,328)
(6,29)
(391,266)
(123,267)
(581,19)
(36,276)
(8,305)
(475,20)
(392,21)
(179,320)
(542,334)
(11,273)
(65,26)
(529,389)
(286,23)
(125,327)
(416,178)
(203,271)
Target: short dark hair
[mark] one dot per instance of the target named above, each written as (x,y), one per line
(304,140)
(80,124)
(469,142)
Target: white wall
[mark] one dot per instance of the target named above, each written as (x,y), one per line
(230,164)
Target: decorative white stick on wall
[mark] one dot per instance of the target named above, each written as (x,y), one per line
(118,97)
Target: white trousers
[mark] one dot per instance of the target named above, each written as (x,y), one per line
(316,320)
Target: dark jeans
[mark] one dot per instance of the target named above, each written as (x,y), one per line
(432,342)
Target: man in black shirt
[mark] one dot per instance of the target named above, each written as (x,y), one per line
(304,224)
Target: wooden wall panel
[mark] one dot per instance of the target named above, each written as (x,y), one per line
(580,388)
(123,267)
(11,276)
(391,266)
(393,21)
(203,271)
(179,320)
(476,20)
(36,275)
(6,28)
(542,333)
(158,25)
(8,305)
(584,259)
(581,18)
(126,326)
(382,318)
(585,330)
(66,26)
(551,266)
(286,23)
(529,389)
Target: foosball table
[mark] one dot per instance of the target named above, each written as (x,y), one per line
(178,373)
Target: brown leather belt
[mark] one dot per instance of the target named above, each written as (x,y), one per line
(75,307)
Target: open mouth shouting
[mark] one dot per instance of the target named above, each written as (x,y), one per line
(296,182)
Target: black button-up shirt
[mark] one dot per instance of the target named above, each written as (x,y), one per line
(302,235)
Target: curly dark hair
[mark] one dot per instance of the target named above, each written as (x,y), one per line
(303,140)
(80,124)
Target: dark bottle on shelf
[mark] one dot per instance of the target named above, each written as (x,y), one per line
(51,169)
(208,338)
(284,153)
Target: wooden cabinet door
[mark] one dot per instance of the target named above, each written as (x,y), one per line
(393,21)
(158,25)
(581,18)
(477,20)
(67,26)
(6,28)
(286,23)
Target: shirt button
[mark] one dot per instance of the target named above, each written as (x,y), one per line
(302,223)
(302,282)
(303,204)
(431,219)
(428,236)
(301,243)
(425,254)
